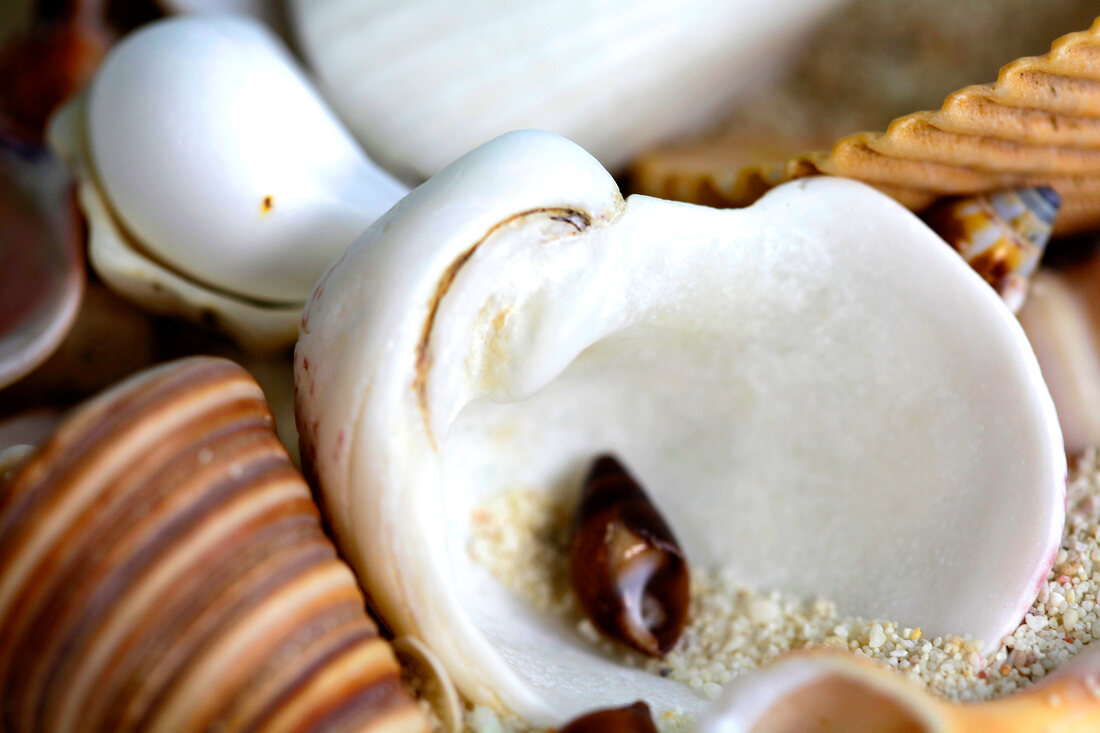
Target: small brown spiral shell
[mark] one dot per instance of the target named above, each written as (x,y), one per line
(163,568)
(628,571)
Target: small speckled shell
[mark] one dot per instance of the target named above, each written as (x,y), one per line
(163,568)
(1039,124)
(1001,235)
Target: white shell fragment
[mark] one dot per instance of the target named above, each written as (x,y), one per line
(217,183)
(424,81)
(817,394)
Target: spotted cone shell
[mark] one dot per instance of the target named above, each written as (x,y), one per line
(163,568)
(1037,125)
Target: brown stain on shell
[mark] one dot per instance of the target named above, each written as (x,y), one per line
(163,567)
(423,362)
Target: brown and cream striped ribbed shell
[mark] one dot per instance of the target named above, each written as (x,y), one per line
(163,568)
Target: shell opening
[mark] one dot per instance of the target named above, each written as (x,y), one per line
(762,374)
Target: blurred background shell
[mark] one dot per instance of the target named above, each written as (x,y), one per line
(42,272)
(162,563)
(424,81)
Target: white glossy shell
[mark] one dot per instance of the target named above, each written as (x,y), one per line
(216,182)
(424,81)
(817,393)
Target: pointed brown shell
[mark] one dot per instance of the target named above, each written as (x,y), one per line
(628,571)
(634,718)
(163,568)
(1039,124)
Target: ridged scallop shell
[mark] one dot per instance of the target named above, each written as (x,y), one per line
(825,690)
(1039,124)
(163,568)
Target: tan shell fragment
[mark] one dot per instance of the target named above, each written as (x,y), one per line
(824,690)
(163,568)
(1039,124)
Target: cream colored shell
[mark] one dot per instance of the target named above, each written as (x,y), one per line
(835,692)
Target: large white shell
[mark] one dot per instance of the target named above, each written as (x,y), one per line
(424,81)
(216,183)
(818,394)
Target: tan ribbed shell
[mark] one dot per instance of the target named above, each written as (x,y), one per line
(163,569)
(1039,124)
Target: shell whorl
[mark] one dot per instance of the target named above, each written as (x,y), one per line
(163,568)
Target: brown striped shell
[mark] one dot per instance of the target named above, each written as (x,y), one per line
(163,568)
(1039,124)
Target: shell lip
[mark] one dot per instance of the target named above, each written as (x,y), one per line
(754,696)
(128,268)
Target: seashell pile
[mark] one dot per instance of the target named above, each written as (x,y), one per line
(595,462)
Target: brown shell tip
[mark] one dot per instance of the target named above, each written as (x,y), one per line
(627,568)
(634,718)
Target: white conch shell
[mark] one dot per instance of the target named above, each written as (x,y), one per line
(817,394)
(425,82)
(831,691)
(216,182)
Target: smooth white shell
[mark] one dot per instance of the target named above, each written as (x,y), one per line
(819,395)
(218,155)
(216,184)
(424,81)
